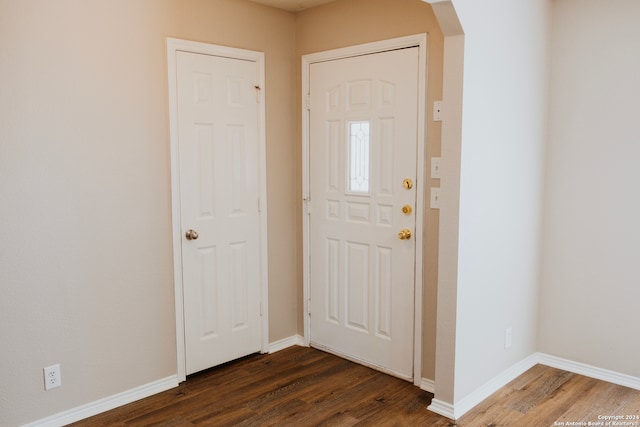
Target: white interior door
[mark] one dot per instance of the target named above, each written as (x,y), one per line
(219,207)
(363,129)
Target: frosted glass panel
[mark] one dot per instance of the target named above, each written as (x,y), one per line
(359,157)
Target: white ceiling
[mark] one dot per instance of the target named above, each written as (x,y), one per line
(293,5)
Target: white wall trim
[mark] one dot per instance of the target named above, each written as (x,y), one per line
(496,383)
(437,406)
(463,406)
(460,408)
(442,408)
(421,205)
(419,40)
(174,46)
(106,404)
(589,371)
(428,385)
(286,343)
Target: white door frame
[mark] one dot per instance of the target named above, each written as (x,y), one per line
(420,41)
(174,46)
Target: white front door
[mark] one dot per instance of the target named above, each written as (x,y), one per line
(363,131)
(219,191)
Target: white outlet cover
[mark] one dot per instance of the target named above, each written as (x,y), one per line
(52,377)
(508,338)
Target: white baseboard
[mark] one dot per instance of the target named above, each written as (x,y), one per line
(286,343)
(463,406)
(442,408)
(493,385)
(589,371)
(106,404)
(428,385)
(129,396)
(437,406)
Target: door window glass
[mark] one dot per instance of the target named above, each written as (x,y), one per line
(358,146)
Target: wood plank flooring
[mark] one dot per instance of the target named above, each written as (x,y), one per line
(306,387)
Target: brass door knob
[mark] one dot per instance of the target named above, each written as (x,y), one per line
(404,234)
(191,234)
(406,209)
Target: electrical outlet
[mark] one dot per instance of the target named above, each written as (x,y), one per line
(52,377)
(508,337)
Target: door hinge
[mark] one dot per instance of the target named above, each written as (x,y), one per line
(307,205)
(308,102)
(259,205)
(258,90)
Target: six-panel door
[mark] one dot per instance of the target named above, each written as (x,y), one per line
(219,194)
(363,144)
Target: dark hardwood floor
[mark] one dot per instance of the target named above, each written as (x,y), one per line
(306,387)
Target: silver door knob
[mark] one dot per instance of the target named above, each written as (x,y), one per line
(191,234)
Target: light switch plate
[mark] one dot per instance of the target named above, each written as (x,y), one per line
(435,198)
(435,167)
(437,111)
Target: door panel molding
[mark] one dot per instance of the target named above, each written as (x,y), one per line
(420,41)
(173,47)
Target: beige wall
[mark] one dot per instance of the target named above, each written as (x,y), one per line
(85,202)
(351,22)
(590,277)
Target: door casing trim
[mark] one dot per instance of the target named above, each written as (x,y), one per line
(178,45)
(417,40)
